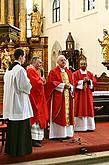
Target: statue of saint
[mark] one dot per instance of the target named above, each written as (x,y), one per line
(5,60)
(36,22)
(105,45)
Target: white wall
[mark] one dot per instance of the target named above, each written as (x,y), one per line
(85,28)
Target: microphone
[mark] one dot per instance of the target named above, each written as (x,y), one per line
(42,72)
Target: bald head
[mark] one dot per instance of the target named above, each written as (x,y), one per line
(61,61)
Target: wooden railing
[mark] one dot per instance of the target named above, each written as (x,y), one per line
(102,82)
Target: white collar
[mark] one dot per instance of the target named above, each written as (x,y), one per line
(83,71)
(18,61)
(62,69)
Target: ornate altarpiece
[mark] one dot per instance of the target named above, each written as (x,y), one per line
(9,40)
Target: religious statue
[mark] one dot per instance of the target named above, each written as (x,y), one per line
(5,60)
(105,45)
(36,22)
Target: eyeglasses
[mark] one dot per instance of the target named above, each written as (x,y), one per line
(83,63)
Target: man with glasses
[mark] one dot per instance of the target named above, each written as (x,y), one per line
(37,98)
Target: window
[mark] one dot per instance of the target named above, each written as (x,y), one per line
(56,11)
(88,5)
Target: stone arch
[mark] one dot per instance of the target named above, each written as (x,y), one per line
(55,52)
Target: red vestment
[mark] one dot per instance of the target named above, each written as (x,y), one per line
(57,98)
(83,99)
(37,98)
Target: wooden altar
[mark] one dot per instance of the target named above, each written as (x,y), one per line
(9,40)
(101,98)
(39,48)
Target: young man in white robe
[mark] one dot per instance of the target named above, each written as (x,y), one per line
(17,108)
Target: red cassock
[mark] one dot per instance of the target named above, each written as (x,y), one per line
(37,98)
(57,98)
(83,99)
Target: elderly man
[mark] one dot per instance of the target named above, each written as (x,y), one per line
(38,102)
(59,93)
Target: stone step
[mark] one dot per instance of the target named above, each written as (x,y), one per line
(83,159)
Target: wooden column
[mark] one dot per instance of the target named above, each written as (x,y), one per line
(22,20)
(10,12)
(3,11)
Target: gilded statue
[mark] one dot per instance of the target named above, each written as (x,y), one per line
(36,22)
(105,45)
(5,60)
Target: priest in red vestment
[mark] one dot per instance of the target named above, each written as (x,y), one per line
(38,101)
(84,83)
(59,93)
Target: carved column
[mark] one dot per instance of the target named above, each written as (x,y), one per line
(10,12)
(22,20)
(3,11)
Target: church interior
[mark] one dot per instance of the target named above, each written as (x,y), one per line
(58,32)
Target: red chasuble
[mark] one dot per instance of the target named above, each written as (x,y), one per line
(37,98)
(57,98)
(83,99)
